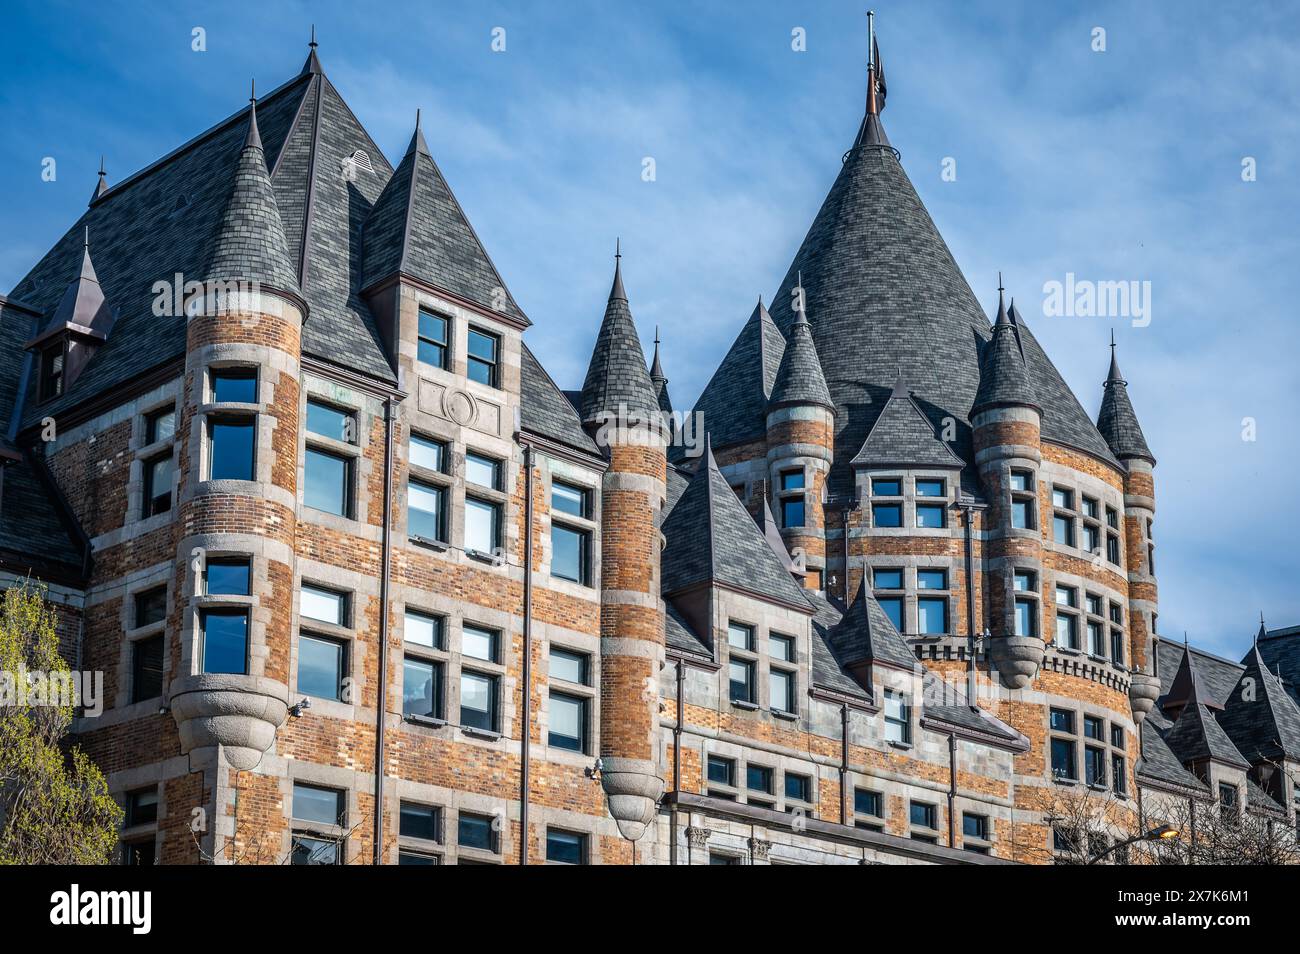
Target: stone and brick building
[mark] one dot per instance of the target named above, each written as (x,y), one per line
(366,586)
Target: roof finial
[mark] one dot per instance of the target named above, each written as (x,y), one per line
(252,91)
(656,337)
(312,44)
(616,290)
(102,173)
(417,117)
(85,243)
(618,248)
(254,137)
(1000,288)
(312,65)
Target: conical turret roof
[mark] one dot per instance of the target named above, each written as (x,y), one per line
(660,380)
(1117,421)
(617,381)
(1004,377)
(1196,736)
(799,378)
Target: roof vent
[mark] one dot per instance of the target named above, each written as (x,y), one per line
(181,204)
(360,159)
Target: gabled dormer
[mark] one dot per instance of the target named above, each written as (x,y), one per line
(80,324)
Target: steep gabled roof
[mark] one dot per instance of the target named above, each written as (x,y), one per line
(418,228)
(1260,718)
(734,402)
(1116,419)
(904,436)
(865,634)
(1216,676)
(617,381)
(83,304)
(711,538)
(1196,735)
(545,411)
(1159,764)
(1280,650)
(1186,683)
(32,536)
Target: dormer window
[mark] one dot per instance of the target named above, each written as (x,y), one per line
(52,360)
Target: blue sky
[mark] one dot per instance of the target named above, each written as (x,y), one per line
(1116,165)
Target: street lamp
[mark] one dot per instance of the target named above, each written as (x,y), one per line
(1163,833)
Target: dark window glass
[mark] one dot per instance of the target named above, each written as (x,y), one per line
(975,826)
(428,453)
(415,858)
(798,787)
(932,615)
(1089,507)
(898,717)
(1112,518)
(225,640)
(226,577)
(1118,774)
(1062,721)
(423,629)
(893,607)
(792,480)
(482,357)
(426,510)
(421,688)
(1063,530)
(328,482)
(1117,736)
(566,847)
(484,471)
(571,500)
(1112,549)
(887,515)
(320,806)
(478,701)
(867,802)
(138,852)
(52,372)
(888,579)
(482,525)
(141,807)
(419,821)
(923,815)
(160,426)
(1096,639)
(234,386)
(1091,538)
(475,831)
(570,551)
(758,778)
(1022,480)
(308,850)
(1022,514)
(1063,759)
(722,771)
(320,667)
(158,485)
(1094,764)
(886,487)
(741,678)
(792,512)
(433,339)
(930,488)
(146,668)
(151,606)
(931,515)
(570,666)
(231,453)
(332,422)
(568,727)
(717,859)
(931,579)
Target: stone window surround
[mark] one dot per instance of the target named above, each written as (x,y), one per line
(908,499)
(256,650)
(1030,496)
(1055,475)
(353,673)
(908,698)
(780,495)
(990,828)
(436,848)
(459,320)
(865,784)
(1081,741)
(144,454)
(739,755)
(451,802)
(355,503)
(910,593)
(590,691)
(484,494)
(1012,565)
(210,410)
(322,776)
(760,656)
(132,634)
(139,833)
(586,845)
(591,483)
(444,478)
(922,830)
(1085,587)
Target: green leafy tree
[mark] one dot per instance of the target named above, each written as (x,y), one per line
(54,801)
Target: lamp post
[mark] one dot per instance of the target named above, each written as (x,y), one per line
(1163,833)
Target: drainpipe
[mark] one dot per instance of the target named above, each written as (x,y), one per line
(969,512)
(847,507)
(381,707)
(526,720)
(952,789)
(844,758)
(677,751)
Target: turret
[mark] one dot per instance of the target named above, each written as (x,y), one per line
(1006,420)
(659,381)
(238,480)
(1119,425)
(800,446)
(619,407)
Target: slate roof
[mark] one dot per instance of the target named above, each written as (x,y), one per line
(1004,376)
(903,435)
(659,381)
(711,538)
(545,411)
(865,634)
(1260,718)
(1197,735)
(799,378)
(83,303)
(680,636)
(678,479)
(1186,684)
(1216,677)
(1116,419)
(734,402)
(1280,650)
(617,379)
(30,528)
(419,229)
(1159,764)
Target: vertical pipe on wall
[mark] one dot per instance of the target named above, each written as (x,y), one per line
(525,721)
(381,690)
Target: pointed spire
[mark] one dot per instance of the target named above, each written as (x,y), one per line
(83,302)
(312,65)
(254,138)
(1261,718)
(865,635)
(660,380)
(772,534)
(799,377)
(1196,735)
(617,381)
(1116,419)
(417,144)
(1262,632)
(101,186)
(1004,376)
(871,132)
(1186,683)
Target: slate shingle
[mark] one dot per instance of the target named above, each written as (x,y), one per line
(544,410)
(617,381)
(904,436)
(1116,419)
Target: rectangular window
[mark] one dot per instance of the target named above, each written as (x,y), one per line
(478,701)
(146,668)
(327,482)
(1118,775)
(232,440)
(1093,727)
(332,422)
(151,606)
(1062,498)
(423,629)
(1112,518)
(887,579)
(1094,765)
(792,512)
(571,554)
(1117,647)
(1025,581)
(1062,721)
(428,454)
(758,778)
(565,847)
(433,339)
(740,637)
(160,425)
(1096,639)
(570,666)
(482,526)
(1022,512)
(923,815)
(309,850)
(328,606)
(426,511)
(420,821)
(1063,766)
(575,501)
(975,826)
(886,487)
(320,667)
(931,579)
(1091,538)
(482,470)
(1067,631)
(478,642)
(1026,617)
(225,640)
(741,677)
(1067,596)
(722,771)
(792,479)
(1112,549)
(158,485)
(798,787)
(227,576)
(867,802)
(141,807)
(893,607)
(931,515)
(930,488)
(476,831)
(1117,736)
(482,357)
(932,615)
(234,385)
(780,647)
(1063,530)
(1093,603)
(52,371)
(887,515)
(1022,480)
(568,727)
(422,688)
(781,690)
(898,717)
(139,852)
(317,805)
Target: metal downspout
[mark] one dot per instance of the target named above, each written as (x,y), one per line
(844,759)
(381,706)
(952,789)
(526,720)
